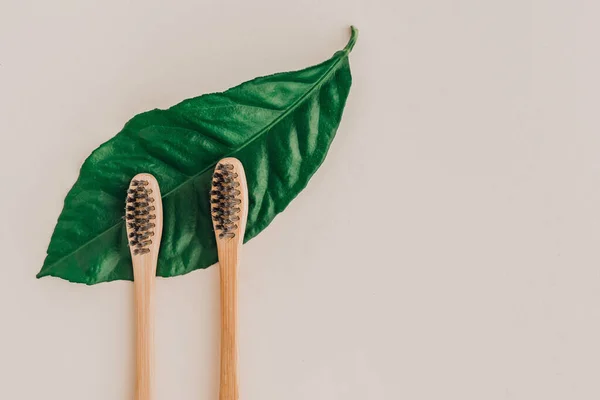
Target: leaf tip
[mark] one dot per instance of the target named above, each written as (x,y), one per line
(42,273)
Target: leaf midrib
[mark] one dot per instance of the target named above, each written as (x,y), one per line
(342,54)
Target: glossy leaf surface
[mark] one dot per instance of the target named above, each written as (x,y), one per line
(279,126)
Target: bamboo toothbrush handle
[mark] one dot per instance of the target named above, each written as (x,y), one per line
(229,209)
(144,321)
(144,231)
(228,265)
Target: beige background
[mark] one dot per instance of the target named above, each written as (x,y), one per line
(447,249)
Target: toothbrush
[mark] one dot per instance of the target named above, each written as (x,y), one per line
(144,230)
(229,203)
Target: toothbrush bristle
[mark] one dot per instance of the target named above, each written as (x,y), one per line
(138,215)
(225,199)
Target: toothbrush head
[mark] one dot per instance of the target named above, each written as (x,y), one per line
(141,212)
(229,200)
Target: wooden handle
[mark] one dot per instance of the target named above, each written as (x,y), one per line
(230,236)
(144,276)
(144,326)
(229,351)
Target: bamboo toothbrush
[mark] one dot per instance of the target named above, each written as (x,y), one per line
(144,230)
(229,201)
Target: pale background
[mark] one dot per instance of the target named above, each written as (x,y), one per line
(447,249)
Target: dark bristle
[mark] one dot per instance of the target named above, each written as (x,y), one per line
(224,200)
(225,167)
(138,215)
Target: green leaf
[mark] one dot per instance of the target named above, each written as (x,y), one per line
(279,126)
